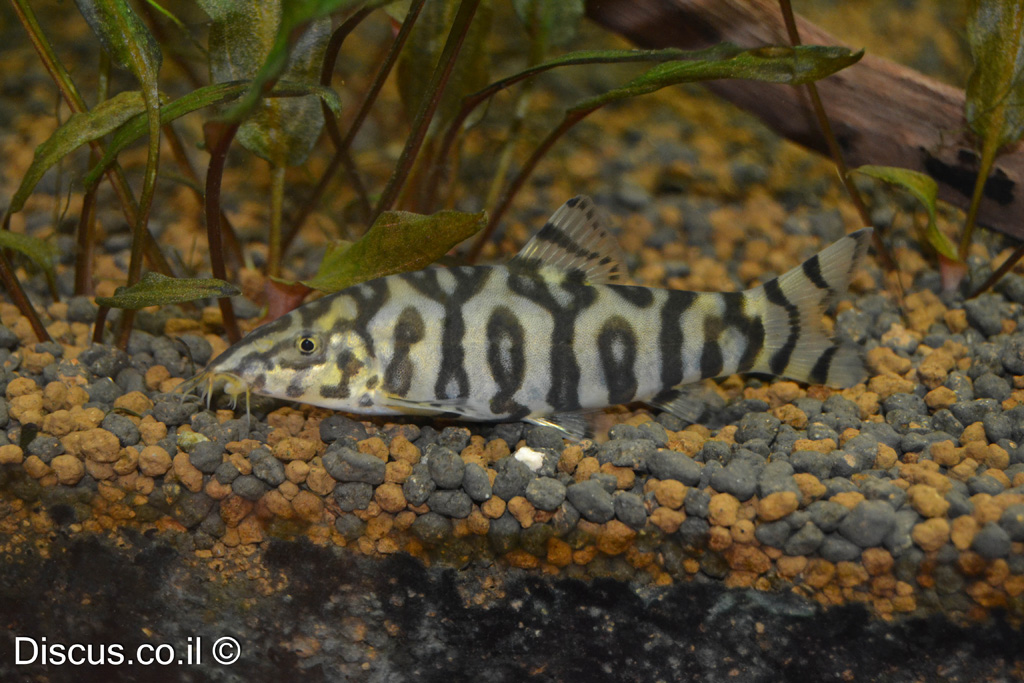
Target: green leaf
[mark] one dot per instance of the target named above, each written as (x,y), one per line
(206,96)
(263,40)
(423,49)
(76,131)
(925,189)
(397,242)
(552,22)
(124,37)
(995,89)
(40,252)
(792,65)
(155,289)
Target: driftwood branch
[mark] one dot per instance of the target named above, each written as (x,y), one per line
(882,112)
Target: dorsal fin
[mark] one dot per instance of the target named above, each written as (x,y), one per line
(574,239)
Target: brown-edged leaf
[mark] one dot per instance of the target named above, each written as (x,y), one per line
(40,252)
(397,242)
(155,289)
(925,190)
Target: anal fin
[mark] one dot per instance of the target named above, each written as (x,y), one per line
(688,403)
(574,425)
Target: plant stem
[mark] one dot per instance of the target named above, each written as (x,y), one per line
(75,102)
(833,147)
(276,209)
(218,139)
(988,157)
(19,297)
(456,36)
(572,117)
(1005,268)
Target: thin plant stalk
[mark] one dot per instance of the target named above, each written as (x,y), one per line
(86,233)
(234,248)
(20,299)
(218,139)
(452,46)
(276,210)
(572,117)
(74,100)
(1003,269)
(834,151)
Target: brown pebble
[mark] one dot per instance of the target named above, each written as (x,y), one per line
(390,497)
(295,448)
(154,461)
(68,468)
(277,505)
(882,359)
(748,558)
(94,444)
(234,508)
(887,385)
(288,489)
(86,418)
(743,531)
(493,507)
(397,471)
(927,501)
(877,561)
(848,499)
(886,457)
(318,481)
(308,506)
(522,510)
(296,471)
(791,415)
(21,386)
(974,432)
(777,505)
(190,477)
(945,453)
(216,490)
(402,450)
(667,519)
(559,552)
(11,454)
(723,509)
(522,559)
(810,488)
(151,431)
(963,530)
(103,470)
(134,401)
(27,408)
(155,376)
(374,446)
(719,538)
(850,574)
(58,423)
(931,534)
(940,397)
(791,566)
(670,493)
(615,538)
(477,523)
(250,531)
(586,467)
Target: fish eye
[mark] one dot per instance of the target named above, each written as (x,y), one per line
(307,345)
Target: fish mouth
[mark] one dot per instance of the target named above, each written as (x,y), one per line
(205,382)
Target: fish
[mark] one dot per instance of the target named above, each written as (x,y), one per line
(551,335)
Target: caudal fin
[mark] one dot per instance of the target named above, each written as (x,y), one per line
(796,344)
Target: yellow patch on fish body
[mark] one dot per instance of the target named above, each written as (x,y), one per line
(545,337)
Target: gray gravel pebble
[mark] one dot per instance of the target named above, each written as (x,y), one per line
(630,510)
(476,483)
(355,496)
(804,541)
(446,467)
(455,504)
(454,438)
(774,534)
(345,464)
(337,426)
(991,542)
(777,476)
(226,472)
(206,456)
(992,386)
(173,411)
(350,526)
(512,478)
(899,541)
(266,466)
(538,436)
(673,465)
(757,426)
(431,528)
(545,493)
(632,453)
(249,487)
(593,501)
(738,478)
(104,390)
(868,523)
(8,340)
(1012,520)
(123,428)
(827,514)
(191,508)
(1012,356)
(419,485)
(697,502)
(503,533)
(835,548)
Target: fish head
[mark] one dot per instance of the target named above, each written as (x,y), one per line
(311,355)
